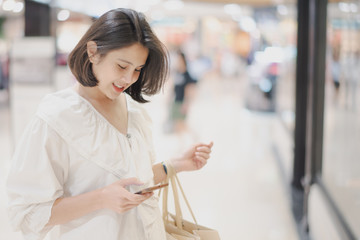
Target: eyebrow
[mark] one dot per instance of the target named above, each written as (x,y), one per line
(123,60)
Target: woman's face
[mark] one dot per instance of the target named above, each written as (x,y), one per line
(119,69)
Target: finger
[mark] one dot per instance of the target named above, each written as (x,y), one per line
(134,202)
(210,145)
(130,181)
(133,197)
(202,154)
(203,149)
(147,195)
(201,159)
(139,197)
(126,207)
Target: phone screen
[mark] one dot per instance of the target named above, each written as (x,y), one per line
(153,188)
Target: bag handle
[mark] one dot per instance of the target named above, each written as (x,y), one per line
(170,179)
(174,180)
(186,201)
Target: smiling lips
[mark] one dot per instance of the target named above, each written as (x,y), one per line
(118,88)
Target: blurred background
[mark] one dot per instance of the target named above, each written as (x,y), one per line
(274,83)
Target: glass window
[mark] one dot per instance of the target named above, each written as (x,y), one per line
(341,152)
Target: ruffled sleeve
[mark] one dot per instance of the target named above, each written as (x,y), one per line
(38,171)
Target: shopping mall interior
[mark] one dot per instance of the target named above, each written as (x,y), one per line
(283,167)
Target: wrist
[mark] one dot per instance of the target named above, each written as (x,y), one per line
(101,198)
(175,164)
(169,168)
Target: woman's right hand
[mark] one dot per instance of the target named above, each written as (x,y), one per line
(116,197)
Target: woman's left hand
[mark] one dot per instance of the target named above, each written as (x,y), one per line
(193,159)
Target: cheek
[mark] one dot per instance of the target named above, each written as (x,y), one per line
(101,72)
(136,76)
(108,74)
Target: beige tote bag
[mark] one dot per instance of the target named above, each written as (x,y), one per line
(178,228)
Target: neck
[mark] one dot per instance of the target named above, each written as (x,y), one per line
(93,94)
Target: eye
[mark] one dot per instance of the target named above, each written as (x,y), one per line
(138,70)
(121,67)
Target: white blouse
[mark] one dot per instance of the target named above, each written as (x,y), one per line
(68,149)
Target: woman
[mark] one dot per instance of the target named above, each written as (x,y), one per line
(89,148)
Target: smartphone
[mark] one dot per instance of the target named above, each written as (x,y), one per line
(153,188)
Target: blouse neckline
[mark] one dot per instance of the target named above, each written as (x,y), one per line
(102,116)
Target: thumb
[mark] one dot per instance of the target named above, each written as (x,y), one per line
(130,181)
(210,145)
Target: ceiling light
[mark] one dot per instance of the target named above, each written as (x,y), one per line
(19,6)
(9,5)
(63,15)
(345,7)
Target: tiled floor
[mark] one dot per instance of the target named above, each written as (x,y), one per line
(241,192)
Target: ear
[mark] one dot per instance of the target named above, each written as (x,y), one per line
(92,51)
